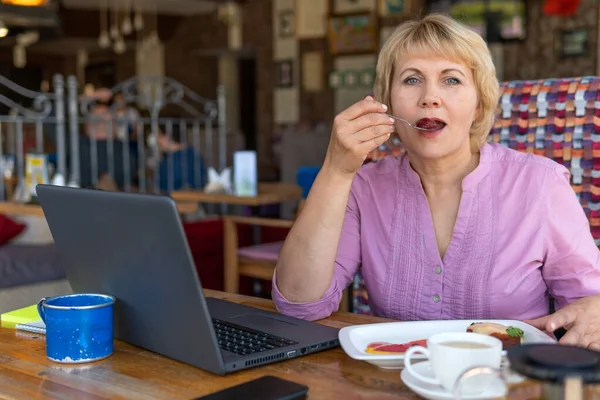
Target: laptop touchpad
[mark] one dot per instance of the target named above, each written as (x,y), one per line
(261,322)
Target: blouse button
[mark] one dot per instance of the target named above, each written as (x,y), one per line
(438,270)
(436,298)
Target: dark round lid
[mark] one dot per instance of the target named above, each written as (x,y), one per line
(563,356)
(554,362)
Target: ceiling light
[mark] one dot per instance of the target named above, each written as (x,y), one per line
(25,3)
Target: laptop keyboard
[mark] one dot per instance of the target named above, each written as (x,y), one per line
(241,340)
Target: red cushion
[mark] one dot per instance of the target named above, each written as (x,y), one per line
(273,234)
(9,229)
(204,236)
(205,239)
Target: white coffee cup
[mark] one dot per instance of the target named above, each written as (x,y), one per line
(453,353)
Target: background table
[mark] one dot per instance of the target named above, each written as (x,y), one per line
(267,194)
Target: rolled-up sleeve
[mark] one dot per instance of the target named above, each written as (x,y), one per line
(572,260)
(347,263)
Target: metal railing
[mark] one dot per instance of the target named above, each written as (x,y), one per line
(147,134)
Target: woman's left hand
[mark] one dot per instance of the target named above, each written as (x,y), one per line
(580,318)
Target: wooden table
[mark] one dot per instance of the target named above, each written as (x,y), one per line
(134,373)
(9,207)
(267,193)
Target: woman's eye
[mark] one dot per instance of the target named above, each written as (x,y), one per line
(411,81)
(452,81)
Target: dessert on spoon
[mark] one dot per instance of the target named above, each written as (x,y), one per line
(429,125)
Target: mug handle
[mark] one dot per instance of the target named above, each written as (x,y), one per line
(408,365)
(40,309)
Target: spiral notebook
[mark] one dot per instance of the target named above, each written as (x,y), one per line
(35,327)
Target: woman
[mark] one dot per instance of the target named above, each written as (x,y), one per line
(456,227)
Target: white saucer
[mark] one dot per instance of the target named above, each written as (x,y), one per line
(437,392)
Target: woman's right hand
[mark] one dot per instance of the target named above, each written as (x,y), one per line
(357,131)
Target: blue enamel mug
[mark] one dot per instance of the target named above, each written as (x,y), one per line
(79,327)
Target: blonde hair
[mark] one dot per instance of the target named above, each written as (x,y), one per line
(444,36)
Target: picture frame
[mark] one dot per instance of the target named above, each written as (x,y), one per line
(284,73)
(354,33)
(394,8)
(312,71)
(506,20)
(286,23)
(572,43)
(311,19)
(353,6)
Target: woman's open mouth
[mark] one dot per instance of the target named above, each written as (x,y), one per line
(431,124)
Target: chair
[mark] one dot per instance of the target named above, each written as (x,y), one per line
(258,261)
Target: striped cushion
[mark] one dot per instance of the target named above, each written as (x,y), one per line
(556,118)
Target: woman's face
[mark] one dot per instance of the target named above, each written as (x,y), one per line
(431,91)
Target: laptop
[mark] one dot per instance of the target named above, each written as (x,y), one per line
(133,246)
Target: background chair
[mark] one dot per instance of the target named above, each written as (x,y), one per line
(258,261)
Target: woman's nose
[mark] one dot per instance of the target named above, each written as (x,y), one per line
(430,98)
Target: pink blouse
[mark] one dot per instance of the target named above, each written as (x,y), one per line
(520,235)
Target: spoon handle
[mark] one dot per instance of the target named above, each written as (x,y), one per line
(413,126)
(401,119)
(408,123)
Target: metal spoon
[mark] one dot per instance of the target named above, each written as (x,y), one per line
(414,126)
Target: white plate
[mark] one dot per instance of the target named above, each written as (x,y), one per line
(437,392)
(355,339)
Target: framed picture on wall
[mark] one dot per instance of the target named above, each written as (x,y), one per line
(284,73)
(352,6)
(286,23)
(572,43)
(392,8)
(505,20)
(353,33)
(311,19)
